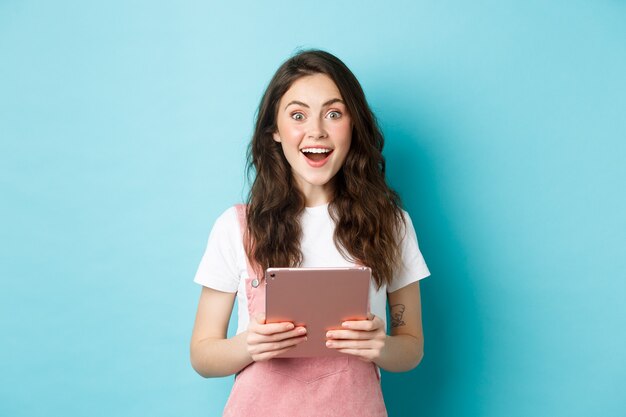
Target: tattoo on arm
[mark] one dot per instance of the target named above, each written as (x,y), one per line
(397,311)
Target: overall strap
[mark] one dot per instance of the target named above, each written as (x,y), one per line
(255,286)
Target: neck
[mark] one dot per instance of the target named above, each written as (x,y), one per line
(316,195)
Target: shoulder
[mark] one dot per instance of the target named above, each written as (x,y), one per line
(406,226)
(228,219)
(221,264)
(226,227)
(412,265)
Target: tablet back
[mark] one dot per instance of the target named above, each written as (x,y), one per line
(319,299)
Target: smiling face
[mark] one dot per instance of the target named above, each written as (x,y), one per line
(315,131)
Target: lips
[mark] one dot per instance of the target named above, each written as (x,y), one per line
(316,156)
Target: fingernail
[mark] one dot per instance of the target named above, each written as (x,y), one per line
(329,334)
(329,343)
(302,330)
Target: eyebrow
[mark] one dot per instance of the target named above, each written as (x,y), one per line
(328,103)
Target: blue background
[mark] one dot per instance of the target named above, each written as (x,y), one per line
(123,127)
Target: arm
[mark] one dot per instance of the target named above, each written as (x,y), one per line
(212,354)
(404,348)
(400,351)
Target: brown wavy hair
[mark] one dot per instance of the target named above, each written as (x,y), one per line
(366,211)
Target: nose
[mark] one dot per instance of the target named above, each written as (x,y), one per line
(316,129)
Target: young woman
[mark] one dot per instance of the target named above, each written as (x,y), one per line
(319,199)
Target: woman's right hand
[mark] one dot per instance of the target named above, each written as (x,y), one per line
(265,341)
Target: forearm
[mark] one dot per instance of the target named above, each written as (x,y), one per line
(401,353)
(220,357)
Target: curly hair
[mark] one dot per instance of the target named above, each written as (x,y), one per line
(366,211)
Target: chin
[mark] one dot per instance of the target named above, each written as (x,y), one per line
(318,182)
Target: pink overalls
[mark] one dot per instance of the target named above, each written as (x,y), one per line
(288,387)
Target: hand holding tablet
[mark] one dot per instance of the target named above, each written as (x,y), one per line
(320,299)
(267,341)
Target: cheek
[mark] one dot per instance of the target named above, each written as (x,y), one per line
(291,133)
(343,134)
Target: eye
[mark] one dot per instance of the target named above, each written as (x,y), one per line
(297,116)
(334,114)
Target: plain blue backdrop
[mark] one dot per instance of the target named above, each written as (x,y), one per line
(123,128)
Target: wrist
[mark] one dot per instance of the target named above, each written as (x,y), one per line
(242,348)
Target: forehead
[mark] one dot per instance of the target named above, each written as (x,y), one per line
(312,89)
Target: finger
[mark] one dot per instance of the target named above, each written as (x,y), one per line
(366,355)
(348,344)
(277,337)
(269,355)
(273,346)
(349,334)
(367,325)
(273,328)
(373,322)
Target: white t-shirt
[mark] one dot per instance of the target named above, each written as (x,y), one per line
(223,265)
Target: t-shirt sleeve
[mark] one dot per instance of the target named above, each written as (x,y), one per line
(412,266)
(218,266)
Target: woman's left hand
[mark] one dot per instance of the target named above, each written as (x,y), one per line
(364,339)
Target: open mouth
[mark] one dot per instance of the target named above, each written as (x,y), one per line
(316,154)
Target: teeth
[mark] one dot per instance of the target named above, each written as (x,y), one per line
(315,150)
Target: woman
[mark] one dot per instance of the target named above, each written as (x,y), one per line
(319,199)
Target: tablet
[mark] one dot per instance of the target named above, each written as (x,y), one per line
(319,299)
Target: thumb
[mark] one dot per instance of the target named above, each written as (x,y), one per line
(260,318)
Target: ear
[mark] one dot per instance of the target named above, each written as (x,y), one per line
(276,137)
